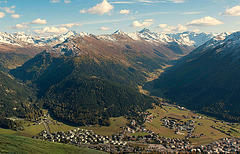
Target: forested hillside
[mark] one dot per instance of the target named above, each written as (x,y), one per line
(207,80)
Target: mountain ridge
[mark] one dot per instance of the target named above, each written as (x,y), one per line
(207,80)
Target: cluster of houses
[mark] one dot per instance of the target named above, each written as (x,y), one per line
(81,136)
(179,126)
(125,142)
(225,145)
(119,142)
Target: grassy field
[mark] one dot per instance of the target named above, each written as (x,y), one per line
(220,130)
(19,144)
(115,125)
(210,134)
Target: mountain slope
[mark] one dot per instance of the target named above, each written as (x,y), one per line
(92,67)
(207,80)
(18,144)
(16,99)
(93,101)
(95,76)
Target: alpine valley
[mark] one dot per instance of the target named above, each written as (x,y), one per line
(80,75)
(97,82)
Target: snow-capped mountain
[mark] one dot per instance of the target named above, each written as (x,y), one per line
(23,39)
(212,43)
(192,38)
(189,39)
(150,36)
(207,79)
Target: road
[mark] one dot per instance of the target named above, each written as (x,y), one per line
(46,127)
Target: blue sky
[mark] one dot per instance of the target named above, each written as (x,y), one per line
(45,17)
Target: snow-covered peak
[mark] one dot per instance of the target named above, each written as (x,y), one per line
(150,36)
(215,41)
(23,39)
(192,38)
(119,32)
(145,30)
(226,44)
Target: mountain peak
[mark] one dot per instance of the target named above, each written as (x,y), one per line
(119,32)
(145,30)
(71,33)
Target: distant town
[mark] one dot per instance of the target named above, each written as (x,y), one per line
(126,142)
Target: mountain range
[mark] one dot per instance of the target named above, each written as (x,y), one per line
(207,80)
(17,48)
(80,75)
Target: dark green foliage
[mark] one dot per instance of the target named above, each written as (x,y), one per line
(92,100)
(11,60)
(205,82)
(9,124)
(86,90)
(15,98)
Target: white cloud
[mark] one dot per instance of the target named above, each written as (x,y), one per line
(205,21)
(51,30)
(162,26)
(101,8)
(177,1)
(67,1)
(55,1)
(15,16)
(19,26)
(83,11)
(71,25)
(104,28)
(145,1)
(167,28)
(39,21)
(2,14)
(124,12)
(143,24)
(234,11)
(9,9)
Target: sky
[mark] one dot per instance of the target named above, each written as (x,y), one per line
(48,17)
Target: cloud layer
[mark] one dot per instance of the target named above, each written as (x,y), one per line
(51,30)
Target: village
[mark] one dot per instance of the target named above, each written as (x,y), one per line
(126,142)
(149,143)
